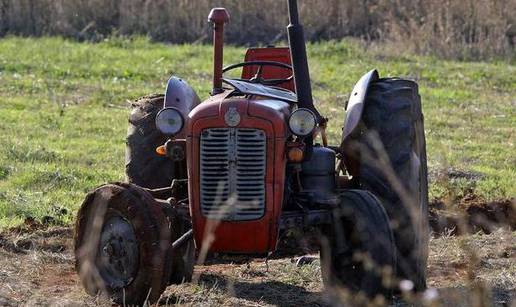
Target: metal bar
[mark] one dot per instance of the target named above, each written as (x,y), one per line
(182,240)
(164,193)
(300,67)
(293,12)
(218,17)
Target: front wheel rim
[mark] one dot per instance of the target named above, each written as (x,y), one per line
(118,253)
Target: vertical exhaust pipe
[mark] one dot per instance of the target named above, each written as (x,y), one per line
(218,17)
(296,39)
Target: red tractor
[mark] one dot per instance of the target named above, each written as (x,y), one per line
(235,172)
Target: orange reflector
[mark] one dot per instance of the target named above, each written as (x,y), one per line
(295,154)
(162,150)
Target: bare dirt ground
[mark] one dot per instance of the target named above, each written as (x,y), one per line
(37,268)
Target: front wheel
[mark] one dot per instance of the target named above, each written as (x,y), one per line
(122,239)
(358,251)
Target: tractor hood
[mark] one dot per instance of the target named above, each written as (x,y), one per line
(240,112)
(240,115)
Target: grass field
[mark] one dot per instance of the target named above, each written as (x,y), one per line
(63,114)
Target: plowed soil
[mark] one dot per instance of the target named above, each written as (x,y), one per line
(472,215)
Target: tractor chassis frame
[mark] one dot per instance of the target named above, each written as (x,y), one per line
(175,198)
(305,219)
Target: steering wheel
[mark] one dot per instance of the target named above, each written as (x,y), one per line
(257,78)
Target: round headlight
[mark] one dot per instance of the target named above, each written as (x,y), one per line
(169,121)
(302,122)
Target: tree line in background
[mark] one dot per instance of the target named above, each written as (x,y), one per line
(467,29)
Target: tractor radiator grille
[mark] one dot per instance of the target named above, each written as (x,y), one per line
(232,170)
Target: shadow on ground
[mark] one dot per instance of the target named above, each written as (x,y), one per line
(262,293)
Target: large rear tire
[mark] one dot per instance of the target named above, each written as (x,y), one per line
(392,128)
(143,166)
(122,240)
(358,251)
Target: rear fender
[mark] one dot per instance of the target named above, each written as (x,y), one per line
(356,104)
(354,111)
(181,96)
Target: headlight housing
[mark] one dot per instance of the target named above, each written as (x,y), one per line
(302,122)
(170,121)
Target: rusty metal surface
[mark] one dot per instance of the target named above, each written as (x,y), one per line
(232,236)
(274,54)
(218,17)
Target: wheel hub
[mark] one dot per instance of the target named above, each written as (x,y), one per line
(118,253)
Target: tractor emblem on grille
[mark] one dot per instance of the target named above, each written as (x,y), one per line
(232,117)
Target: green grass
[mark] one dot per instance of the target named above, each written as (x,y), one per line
(63,113)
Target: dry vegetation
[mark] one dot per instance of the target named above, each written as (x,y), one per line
(475,270)
(463,29)
(43,172)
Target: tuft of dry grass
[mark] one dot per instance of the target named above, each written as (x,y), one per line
(448,28)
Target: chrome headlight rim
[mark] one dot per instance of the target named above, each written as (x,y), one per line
(170,130)
(299,112)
